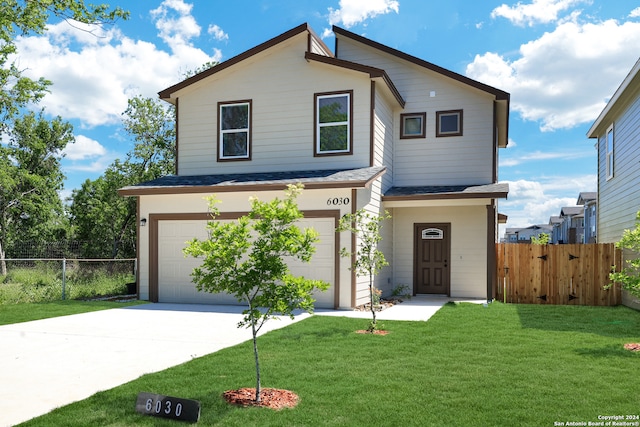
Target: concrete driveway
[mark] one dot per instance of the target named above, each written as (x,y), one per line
(49,363)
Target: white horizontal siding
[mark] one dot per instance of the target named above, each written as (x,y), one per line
(468,263)
(383,139)
(281,85)
(619,197)
(467,159)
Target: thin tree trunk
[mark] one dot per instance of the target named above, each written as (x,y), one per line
(373,310)
(255,353)
(3,263)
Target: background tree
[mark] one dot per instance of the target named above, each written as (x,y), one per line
(22,17)
(368,260)
(540,239)
(246,258)
(30,178)
(104,221)
(26,188)
(629,276)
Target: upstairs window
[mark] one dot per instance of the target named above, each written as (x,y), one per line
(609,153)
(333,129)
(449,123)
(413,125)
(234,137)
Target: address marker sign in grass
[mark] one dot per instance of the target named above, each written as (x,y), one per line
(246,259)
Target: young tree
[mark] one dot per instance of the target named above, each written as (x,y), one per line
(368,260)
(247,259)
(629,276)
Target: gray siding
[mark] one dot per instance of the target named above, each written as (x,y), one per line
(619,197)
(459,160)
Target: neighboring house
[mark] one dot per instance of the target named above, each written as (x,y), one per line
(572,227)
(617,131)
(367,127)
(589,199)
(524,235)
(556,229)
(511,235)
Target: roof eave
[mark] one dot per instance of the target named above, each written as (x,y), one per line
(499,94)
(446,196)
(134,191)
(168,94)
(595,131)
(374,73)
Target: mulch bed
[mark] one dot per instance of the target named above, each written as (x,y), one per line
(376,332)
(635,346)
(272,398)
(384,304)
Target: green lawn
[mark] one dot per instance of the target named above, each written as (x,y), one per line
(502,365)
(17,313)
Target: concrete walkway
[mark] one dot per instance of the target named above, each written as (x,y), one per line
(49,363)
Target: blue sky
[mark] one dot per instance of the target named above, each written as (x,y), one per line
(561,60)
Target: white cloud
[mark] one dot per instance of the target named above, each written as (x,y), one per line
(635,13)
(84,148)
(535,156)
(93,77)
(352,12)
(539,11)
(533,202)
(565,77)
(217,33)
(175,23)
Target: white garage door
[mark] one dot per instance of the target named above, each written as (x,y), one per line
(174,270)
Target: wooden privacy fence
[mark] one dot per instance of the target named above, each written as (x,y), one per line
(557,274)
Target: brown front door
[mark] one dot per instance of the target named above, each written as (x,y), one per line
(431,258)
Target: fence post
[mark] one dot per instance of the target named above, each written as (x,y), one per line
(64,278)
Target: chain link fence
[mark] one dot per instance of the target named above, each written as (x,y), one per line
(30,280)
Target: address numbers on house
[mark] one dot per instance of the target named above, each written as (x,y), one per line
(338,201)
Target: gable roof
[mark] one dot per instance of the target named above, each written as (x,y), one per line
(502,98)
(572,211)
(313,37)
(629,85)
(374,73)
(587,196)
(499,94)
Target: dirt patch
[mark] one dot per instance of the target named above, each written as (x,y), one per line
(272,398)
(376,332)
(384,304)
(634,346)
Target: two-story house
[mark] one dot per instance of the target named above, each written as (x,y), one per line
(617,134)
(589,201)
(572,226)
(363,127)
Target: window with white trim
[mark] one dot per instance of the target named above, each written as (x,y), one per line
(333,130)
(413,125)
(609,151)
(234,130)
(449,123)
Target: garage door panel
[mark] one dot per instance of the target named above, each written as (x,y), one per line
(174,270)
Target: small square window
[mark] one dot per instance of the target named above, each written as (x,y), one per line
(449,123)
(413,125)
